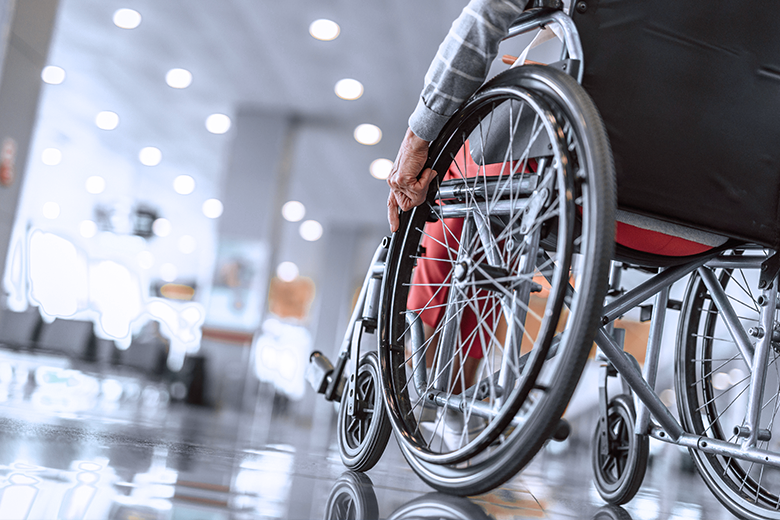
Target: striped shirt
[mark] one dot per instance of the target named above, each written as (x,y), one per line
(462,62)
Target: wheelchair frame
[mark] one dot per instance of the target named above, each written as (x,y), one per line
(669,429)
(329,379)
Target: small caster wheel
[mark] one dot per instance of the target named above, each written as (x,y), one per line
(611,512)
(363,436)
(619,467)
(352,497)
(441,507)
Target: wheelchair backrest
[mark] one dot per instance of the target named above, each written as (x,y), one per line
(690,94)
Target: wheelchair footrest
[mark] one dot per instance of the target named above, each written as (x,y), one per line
(318,372)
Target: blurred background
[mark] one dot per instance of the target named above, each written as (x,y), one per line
(197,187)
(190,194)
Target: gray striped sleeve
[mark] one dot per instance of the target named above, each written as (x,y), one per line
(462,62)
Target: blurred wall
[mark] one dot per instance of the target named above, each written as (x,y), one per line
(25,33)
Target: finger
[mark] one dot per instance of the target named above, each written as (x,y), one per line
(418,193)
(392,213)
(427,176)
(404,202)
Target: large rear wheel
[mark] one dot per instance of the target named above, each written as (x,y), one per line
(713,384)
(506,264)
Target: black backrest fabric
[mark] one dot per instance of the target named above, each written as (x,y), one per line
(690,93)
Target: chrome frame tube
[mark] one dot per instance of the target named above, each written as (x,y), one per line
(461,401)
(419,368)
(507,186)
(464,210)
(650,370)
(375,270)
(736,262)
(767,318)
(648,288)
(729,316)
(442,374)
(644,392)
(540,19)
(719,447)
(515,312)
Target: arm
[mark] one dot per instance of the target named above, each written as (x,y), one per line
(459,68)
(462,62)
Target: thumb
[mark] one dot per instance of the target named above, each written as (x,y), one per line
(427,176)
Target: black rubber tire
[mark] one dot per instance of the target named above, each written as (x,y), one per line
(619,474)
(611,512)
(363,438)
(711,386)
(440,507)
(590,159)
(352,497)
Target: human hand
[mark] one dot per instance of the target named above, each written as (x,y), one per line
(406,189)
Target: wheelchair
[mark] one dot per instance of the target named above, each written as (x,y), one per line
(558,177)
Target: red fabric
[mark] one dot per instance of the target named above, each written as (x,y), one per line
(656,243)
(440,244)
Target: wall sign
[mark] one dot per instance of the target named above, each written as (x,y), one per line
(7,161)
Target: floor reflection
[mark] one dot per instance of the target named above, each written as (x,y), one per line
(277,459)
(353,498)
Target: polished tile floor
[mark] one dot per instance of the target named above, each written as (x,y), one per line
(151,459)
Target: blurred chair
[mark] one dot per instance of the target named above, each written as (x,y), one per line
(18,329)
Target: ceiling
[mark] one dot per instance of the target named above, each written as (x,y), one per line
(244,55)
(248,55)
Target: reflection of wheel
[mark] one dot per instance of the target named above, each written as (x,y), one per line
(438,506)
(619,471)
(363,436)
(712,389)
(352,498)
(530,183)
(611,512)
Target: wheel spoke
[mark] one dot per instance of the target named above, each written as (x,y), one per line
(714,412)
(488,309)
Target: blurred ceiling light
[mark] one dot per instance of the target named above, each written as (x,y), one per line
(720,381)
(310,230)
(218,123)
(191,315)
(51,156)
(110,390)
(150,156)
(178,78)
(213,208)
(187,244)
(51,210)
(145,259)
(87,228)
(168,272)
(161,227)
(95,184)
(293,211)
(287,271)
(107,120)
(324,29)
(349,88)
(368,134)
(53,75)
(736,376)
(127,18)
(381,168)
(184,184)
(668,397)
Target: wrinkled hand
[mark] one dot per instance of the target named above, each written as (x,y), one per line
(406,189)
